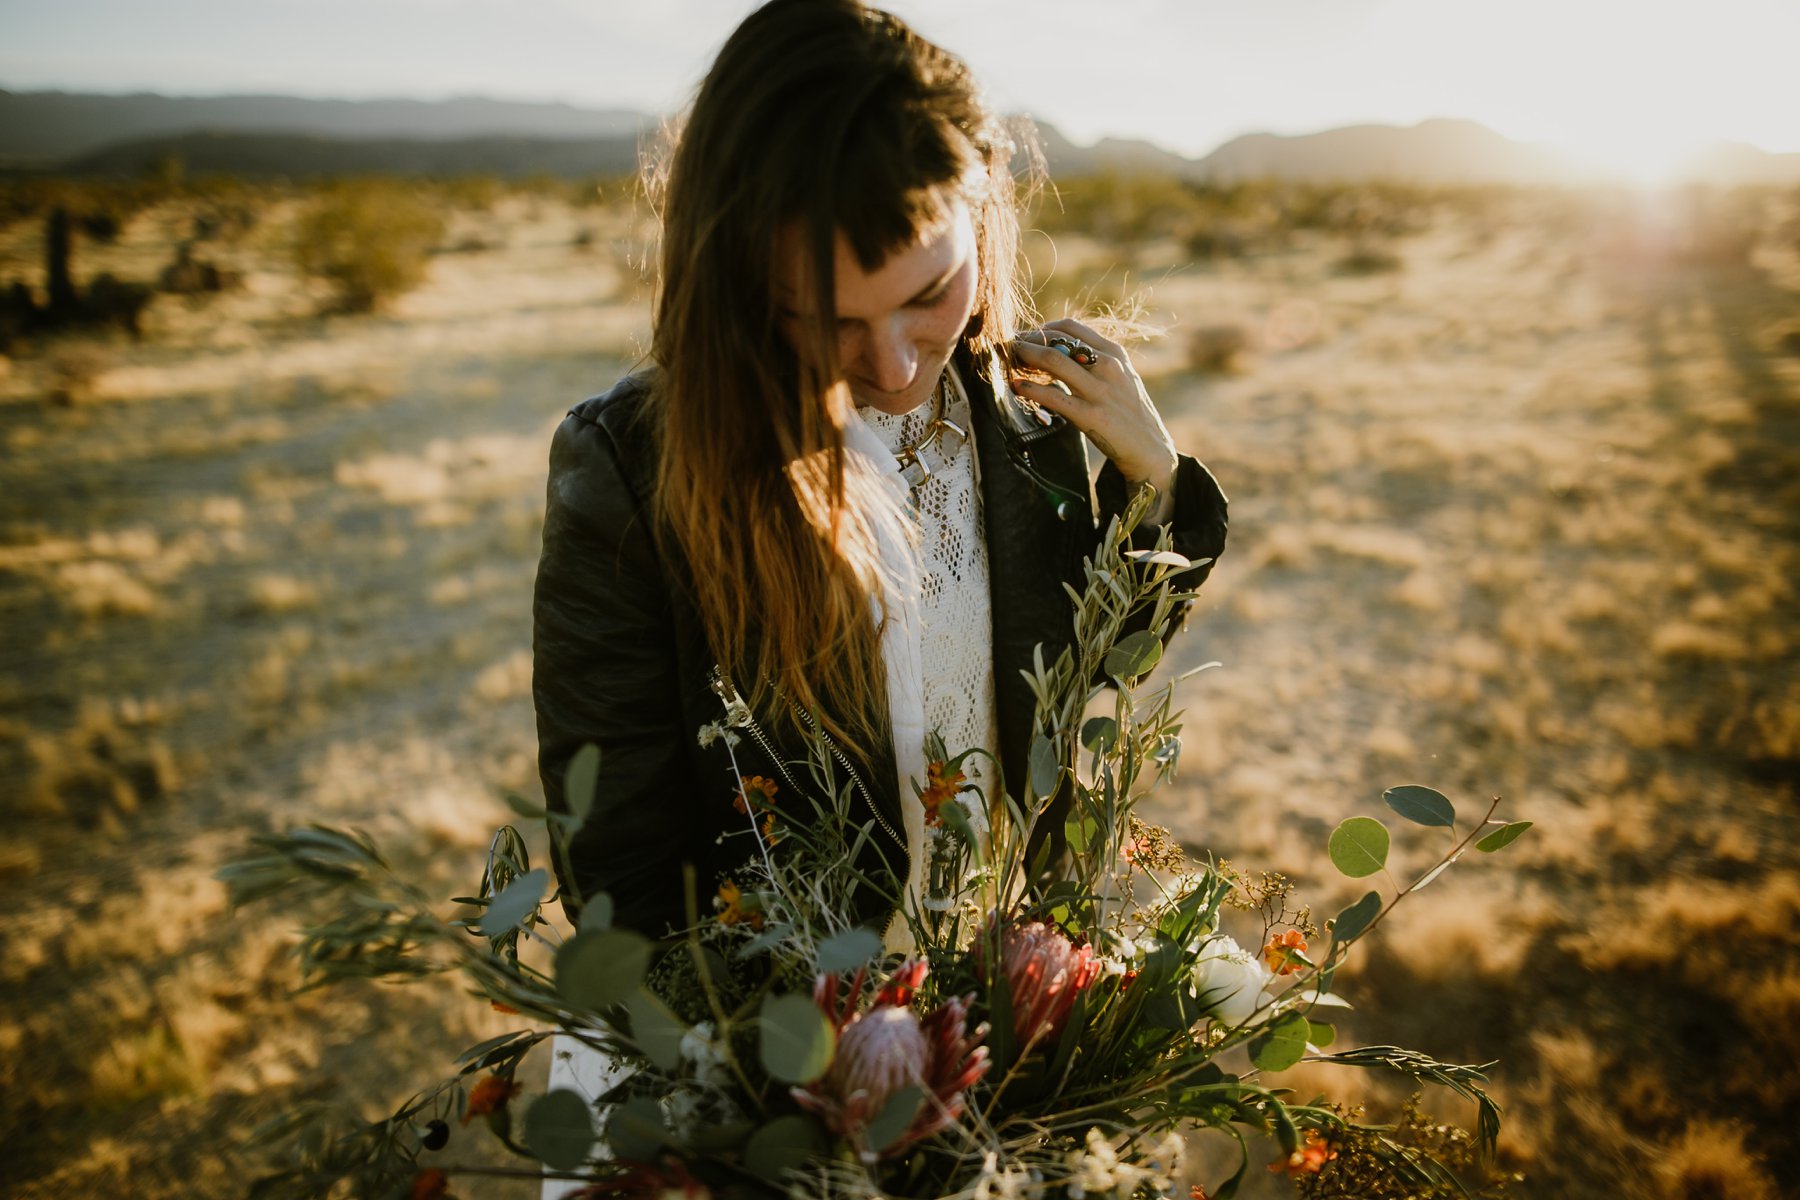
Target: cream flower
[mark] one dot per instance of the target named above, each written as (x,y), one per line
(1229,981)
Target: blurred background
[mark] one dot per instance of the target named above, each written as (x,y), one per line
(1487,318)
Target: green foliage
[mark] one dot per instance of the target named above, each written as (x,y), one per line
(559,1129)
(796,1040)
(1359,846)
(371,238)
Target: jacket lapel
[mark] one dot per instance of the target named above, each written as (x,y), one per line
(1037,505)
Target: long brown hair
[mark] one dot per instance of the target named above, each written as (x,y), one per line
(821,117)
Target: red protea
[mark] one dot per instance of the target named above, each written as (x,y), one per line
(1044,973)
(887,1049)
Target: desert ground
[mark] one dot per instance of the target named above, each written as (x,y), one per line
(1515,483)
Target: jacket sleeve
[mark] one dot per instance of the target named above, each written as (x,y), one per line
(604,671)
(1197,527)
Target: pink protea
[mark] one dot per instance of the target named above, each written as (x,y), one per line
(887,1049)
(1044,973)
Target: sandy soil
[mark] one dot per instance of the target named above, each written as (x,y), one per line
(1518,517)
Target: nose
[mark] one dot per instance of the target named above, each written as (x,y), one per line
(890,355)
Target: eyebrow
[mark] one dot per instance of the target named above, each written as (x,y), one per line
(935,285)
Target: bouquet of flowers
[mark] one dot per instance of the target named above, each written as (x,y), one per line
(1036,1039)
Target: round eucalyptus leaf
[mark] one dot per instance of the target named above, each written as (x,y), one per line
(1421,805)
(1322,1034)
(1099,734)
(559,1129)
(655,1029)
(1349,923)
(601,967)
(781,1146)
(1359,846)
(634,1129)
(850,949)
(597,912)
(514,904)
(579,779)
(1133,655)
(894,1117)
(797,1040)
(1504,836)
(1282,1044)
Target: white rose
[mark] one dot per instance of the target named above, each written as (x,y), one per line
(1229,981)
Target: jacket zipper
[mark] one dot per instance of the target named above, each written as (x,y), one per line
(738,711)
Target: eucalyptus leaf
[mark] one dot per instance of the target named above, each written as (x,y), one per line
(597,913)
(1134,655)
(1502,837)
(1359,846)
(716,1139)
(559,1129)
(797,1041)
(513,905)
(1421,805)
(602,967)
(634,1129)
(1079,831)
(848,950)
(1163,558)
(524,807)
(1322,1034)
(1043,769)
(956,817)
(1350,923)
(781,1146)
(1426,879)
(655,1029)
(579,780)
(1281,1044)
(480,1048)
(894,1117)
(1099,734)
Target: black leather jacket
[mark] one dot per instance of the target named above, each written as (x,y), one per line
(619,658)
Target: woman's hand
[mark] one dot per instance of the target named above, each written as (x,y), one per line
(1106,401)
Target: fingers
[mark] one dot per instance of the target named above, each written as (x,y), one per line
(1069,326)
(1056,364)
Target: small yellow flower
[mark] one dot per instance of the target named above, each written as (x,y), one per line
(939,787)
(733,910)
(489,1096)
(1282,950)
(763,791)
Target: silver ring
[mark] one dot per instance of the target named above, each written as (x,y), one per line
(1079,352)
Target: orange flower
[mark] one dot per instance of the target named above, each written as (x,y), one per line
(1196,1193)
(489,1096)
(1281,952)
(503,1008)
(429,1184)
(938,788)
(733,911)
(1309,1159)
(765,790)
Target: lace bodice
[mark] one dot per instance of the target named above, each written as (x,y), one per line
(957,648)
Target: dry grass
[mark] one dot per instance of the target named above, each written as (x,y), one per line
(1518,518)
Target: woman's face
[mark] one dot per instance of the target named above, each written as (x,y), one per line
(896,325)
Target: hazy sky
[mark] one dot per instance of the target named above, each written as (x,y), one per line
(1629,81)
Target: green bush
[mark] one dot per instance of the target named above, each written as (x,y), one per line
(371,238)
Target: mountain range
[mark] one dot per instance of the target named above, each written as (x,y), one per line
(93,134)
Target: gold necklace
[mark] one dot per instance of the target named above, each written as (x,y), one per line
(948,436)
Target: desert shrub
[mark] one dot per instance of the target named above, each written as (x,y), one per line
(1217,349)
(1118,207)
(1368,260)
(371,238)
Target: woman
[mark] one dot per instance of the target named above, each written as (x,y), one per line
(849,487)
